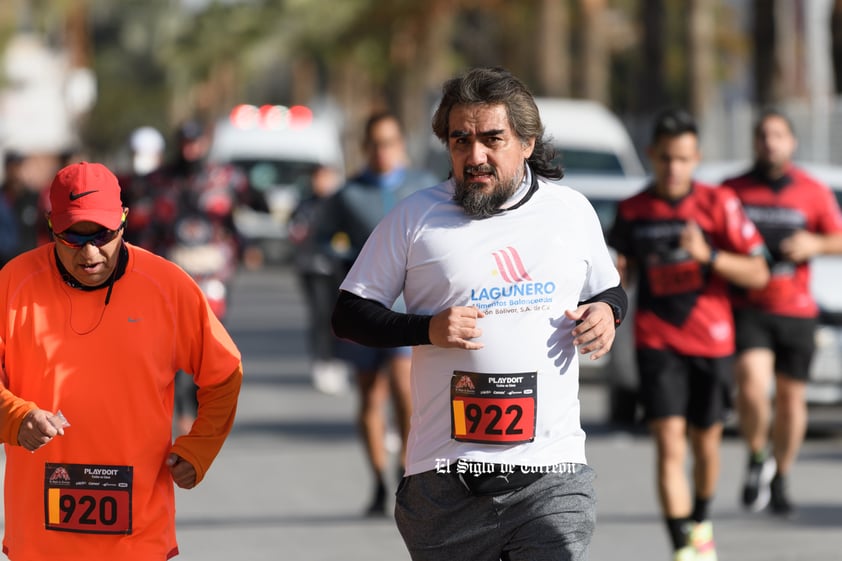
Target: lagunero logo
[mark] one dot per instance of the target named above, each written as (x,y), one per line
(509,265)
(518,288)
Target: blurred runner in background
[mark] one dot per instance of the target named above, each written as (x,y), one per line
(191,222)
(349,217)
(22,198)
(146,150)
(319,272)
(799,218)
(685,242)
(9,245)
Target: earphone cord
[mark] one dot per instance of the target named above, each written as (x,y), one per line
(70,281)
(111,280)
(101,314)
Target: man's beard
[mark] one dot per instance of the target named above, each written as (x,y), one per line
(770,166)
(478,204)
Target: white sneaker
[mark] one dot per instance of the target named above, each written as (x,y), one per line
(330,377)
(756,487)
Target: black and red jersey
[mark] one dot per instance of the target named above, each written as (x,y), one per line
(681,305)
(779,208)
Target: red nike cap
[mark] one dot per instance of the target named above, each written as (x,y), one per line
(85,192)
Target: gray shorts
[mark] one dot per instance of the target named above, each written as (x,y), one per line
(552,519)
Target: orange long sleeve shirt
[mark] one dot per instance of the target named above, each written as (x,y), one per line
(102,491)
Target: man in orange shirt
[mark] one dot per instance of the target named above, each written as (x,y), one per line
(92,331)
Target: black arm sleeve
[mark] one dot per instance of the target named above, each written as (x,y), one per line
(616,298)
(372,324)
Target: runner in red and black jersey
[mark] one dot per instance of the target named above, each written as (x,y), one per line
(798,218)
(684,242)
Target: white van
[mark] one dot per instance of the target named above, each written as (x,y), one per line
(590,139)
(277,148)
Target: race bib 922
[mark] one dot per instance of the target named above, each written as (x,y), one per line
(493,408)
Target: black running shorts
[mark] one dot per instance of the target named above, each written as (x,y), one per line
(792,339)
(696,388)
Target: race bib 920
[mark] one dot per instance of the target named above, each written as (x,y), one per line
(87,498)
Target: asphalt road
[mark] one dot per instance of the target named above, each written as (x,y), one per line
(291,481)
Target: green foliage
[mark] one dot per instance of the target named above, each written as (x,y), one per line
(155,61)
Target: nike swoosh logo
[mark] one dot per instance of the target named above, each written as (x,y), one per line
(134,320)
(74,196)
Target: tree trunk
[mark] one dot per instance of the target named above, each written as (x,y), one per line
(305,79)
(595,52)
(78,39)
(353,90)
(700,54)
(765,66)
(652,82)
(420,55)
(552,48)
(790,51)
(836,42)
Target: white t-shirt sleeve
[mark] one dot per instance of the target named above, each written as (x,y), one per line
(379,271)
(602,271)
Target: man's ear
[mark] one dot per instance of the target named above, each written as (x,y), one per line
(528,148)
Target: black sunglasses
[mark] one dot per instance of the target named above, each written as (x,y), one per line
(97,239)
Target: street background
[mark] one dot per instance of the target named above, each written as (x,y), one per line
(291,482)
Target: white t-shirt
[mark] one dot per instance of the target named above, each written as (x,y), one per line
(523,268)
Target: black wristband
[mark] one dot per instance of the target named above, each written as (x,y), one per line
(616,298)
(713,255)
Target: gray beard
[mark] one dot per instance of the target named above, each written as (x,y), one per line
(477,204)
